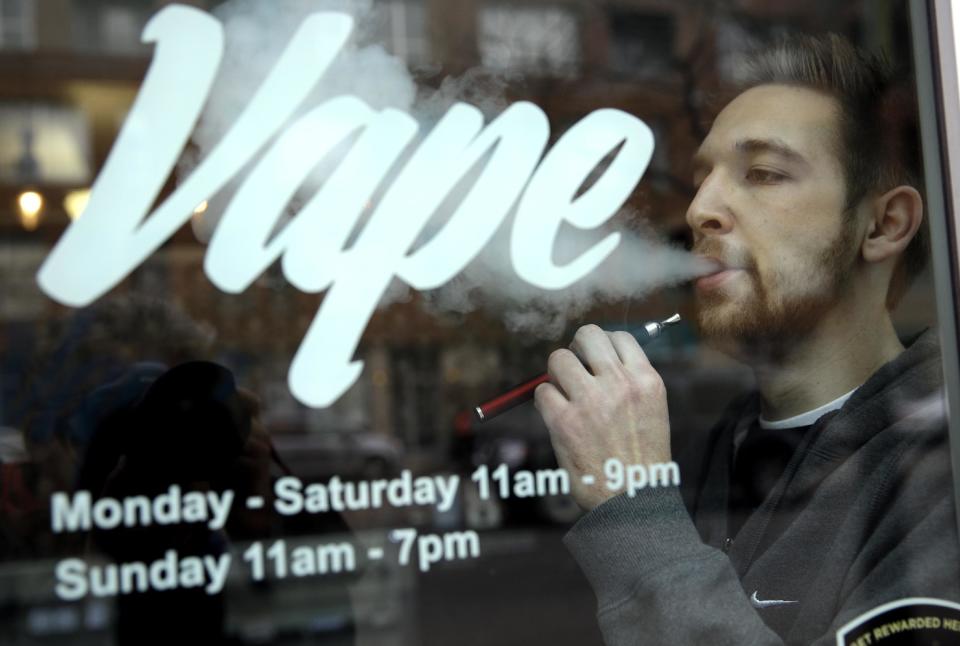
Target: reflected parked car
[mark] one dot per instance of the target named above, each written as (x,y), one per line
(317,455)
(519,440)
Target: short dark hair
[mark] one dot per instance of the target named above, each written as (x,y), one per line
(878,144)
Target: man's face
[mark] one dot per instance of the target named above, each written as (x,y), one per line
(770,209)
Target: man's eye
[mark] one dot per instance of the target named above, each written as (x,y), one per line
(764,176)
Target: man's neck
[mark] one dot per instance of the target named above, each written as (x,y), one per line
(838,355)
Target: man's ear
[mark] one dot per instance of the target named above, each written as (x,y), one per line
(894,219)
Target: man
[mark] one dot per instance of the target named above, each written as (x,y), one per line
(827,492)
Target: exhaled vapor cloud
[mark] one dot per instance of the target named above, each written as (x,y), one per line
(256,33)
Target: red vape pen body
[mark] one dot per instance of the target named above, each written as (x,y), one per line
(524,392)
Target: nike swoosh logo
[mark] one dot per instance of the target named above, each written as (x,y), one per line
(766,603)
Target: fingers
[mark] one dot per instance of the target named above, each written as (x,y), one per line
(593,346)
(630,353)
(567,372)
(607,354)
(549,401)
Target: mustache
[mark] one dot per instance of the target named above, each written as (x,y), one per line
(728,256)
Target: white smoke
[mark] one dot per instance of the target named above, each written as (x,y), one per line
(257,32)
(639,265)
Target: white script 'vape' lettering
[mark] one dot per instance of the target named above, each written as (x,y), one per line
(239,251)
(115,233)
(551,197)
(518,138)
(366,270)
(112,238)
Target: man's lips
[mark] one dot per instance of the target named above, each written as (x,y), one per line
(716,279)
(721,273)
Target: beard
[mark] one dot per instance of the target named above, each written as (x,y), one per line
(780,309)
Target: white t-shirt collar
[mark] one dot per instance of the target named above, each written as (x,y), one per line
(807,418)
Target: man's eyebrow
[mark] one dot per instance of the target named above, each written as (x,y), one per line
(775,146)
(701,160)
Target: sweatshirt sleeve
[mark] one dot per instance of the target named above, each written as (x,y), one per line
(656,582)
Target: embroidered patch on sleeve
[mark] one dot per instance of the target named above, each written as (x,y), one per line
(906,622)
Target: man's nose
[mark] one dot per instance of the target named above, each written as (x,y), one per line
(709,212)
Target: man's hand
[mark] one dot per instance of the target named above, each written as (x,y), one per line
(619,411)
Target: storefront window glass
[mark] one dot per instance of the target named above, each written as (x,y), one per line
(272,272)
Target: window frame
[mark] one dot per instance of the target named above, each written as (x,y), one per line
(938,91)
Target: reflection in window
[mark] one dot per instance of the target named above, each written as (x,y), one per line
(735,43)
(402,28)
(43,144)
(539,40)
(17,25)
(416,387)
(641,44)
(111,26)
